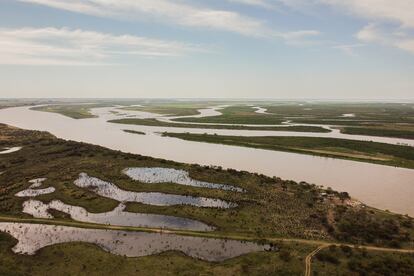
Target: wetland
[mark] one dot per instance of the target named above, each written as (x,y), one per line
(63,201)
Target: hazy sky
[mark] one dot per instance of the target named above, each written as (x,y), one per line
(346,49)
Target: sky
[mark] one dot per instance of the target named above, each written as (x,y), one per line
(276,49)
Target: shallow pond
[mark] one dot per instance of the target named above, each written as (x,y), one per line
(109,190)
(260,110)
(10,150)
(117,216)
(166,175)
(33,190)
(32,237)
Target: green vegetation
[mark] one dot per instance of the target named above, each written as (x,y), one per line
(340,113)
(374,119)
(78,110)
(394,120)
(62,161)
(380,131)
(6,103)
(134,131)
(238,114)
(366,151)
(75,111)
(335,112)
(357,226)
(345,260)
(155,122)
(171,109)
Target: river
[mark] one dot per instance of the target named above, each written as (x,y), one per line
(383,187)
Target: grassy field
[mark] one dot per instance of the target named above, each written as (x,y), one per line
(154,122)
(373,152)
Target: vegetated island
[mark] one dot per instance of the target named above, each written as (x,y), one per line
(155,122)
(365,151)
(134,131)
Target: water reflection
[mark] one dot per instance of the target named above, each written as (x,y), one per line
(33,190)
(260,110)
(10,150)
(109,190)
(32,237)
(166,175)
(115,217)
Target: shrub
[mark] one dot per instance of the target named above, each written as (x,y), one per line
(325,256)
(285,255)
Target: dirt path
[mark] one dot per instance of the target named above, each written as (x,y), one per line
(308,259)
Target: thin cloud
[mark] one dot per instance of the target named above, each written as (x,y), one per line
(173,12)
(390,20)
(407,45)
(258,3)
(373,33)
(399,11)
(63,46)
(348,49)
(162,10)
(301,38)
(384,14)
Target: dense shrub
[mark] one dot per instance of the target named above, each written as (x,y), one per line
(382,266)
(362,226)
(326,256)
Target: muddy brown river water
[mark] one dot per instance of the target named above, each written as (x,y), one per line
(384,187)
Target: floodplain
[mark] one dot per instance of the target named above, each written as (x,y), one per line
(139,211)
